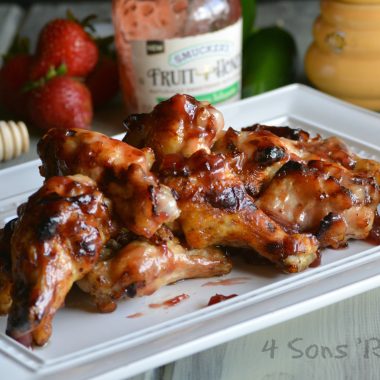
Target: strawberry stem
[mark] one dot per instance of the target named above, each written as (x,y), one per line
(61,69)
(70,16)
(86,22)
(50,74)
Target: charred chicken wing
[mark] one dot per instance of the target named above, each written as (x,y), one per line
(180,125)
(141,267)
(257,153)
(56,241)
(322,198)
(216,210)
(120,170)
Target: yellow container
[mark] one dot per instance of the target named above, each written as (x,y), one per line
(344,59)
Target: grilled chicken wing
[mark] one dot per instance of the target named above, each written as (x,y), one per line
(178,125)
(141,267)
(5,267)
(257,153)
(121,172)
(324,198)
(306,184)
(216,209)
(331,149)
(56,241)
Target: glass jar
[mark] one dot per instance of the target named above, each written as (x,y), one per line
(178,46)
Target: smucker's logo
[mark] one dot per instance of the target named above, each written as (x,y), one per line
(205,50)
(155,47)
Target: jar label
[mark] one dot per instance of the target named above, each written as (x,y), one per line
(206,66)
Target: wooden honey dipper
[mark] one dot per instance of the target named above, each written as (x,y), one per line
(14,139)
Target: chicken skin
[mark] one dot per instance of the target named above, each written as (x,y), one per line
(324,198)
(216,210)
(141,267)
(56,241)
(255,156)
(121,171)
(369,168)
(179,125)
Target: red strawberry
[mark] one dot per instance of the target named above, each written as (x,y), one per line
(14,75)
(64,41)
(103,81)
(62,102)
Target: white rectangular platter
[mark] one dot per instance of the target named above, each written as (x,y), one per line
(88,345)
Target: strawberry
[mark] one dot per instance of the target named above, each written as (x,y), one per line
(13,76)
(103,81)
(60,102)
(65,41)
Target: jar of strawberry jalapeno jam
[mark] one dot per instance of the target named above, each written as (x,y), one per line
(178,46)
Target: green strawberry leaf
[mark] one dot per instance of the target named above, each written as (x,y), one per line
(86,22)
(51,73)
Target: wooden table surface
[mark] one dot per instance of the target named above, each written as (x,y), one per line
(341,341)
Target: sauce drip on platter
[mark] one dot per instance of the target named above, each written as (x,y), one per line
(170,302)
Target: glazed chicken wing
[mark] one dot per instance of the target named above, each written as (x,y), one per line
(141,267)
(323,198)
(179,125)
(331,149)
(257,153)
(306,184)
(216,210)
(56,241)
(121,171)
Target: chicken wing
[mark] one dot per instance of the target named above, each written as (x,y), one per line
(216,209)
(121,171)
(323,198)
(141,267)
(56,241)
(331,149)
(179,125)
(257,153)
